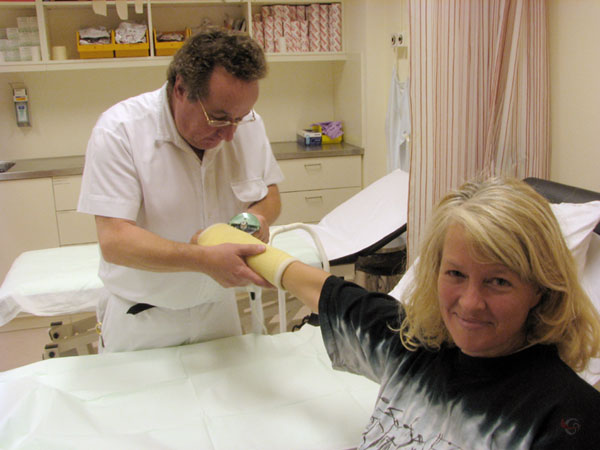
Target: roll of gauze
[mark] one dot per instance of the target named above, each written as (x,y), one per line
(270,264)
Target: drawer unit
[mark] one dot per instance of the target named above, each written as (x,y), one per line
(66,192)
(311,206)
(73,227)
(320,173)
(28,219)
(314,186)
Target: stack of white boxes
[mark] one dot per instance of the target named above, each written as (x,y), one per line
(20,43)
(315,27)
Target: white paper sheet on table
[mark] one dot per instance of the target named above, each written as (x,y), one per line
(52,282)
(367,217)
(251,392)
(372,214)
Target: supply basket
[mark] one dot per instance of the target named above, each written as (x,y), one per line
(90,51)
(133,50)
(324,138)
(169,48)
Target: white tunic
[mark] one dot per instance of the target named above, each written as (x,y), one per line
(139,168)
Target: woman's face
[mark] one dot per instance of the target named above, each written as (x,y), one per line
(484,306)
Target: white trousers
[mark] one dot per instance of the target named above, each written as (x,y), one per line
(164,327)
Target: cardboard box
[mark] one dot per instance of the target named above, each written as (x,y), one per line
(309,137)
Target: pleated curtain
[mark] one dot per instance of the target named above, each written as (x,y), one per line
(479,97)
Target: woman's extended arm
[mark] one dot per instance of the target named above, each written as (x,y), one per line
(304,282)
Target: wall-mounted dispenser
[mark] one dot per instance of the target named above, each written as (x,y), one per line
(21,104)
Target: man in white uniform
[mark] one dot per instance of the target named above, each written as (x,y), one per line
(161,167)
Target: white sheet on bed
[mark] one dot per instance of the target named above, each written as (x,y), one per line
(52,282)
(366,218)
(65,280)
(247,392)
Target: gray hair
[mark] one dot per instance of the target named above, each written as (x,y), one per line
(194,63)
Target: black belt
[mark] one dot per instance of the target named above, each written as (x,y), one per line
(138,308)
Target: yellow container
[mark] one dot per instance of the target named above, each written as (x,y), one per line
(133,50)
(326,139)
(169,48)
(90,51)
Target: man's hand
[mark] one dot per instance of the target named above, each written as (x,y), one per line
(226,264)
(270,265)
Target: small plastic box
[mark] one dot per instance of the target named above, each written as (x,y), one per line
(169,48)
(133,50)
(89,51)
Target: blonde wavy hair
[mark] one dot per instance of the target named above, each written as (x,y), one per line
(506,222)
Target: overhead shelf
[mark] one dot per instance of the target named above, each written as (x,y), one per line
(58,22)
(148,61)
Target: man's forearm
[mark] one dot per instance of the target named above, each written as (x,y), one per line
(124,243)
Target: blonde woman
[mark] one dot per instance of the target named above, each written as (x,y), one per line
(483,352)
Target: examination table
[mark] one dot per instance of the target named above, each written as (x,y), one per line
(64,280)
(246,392)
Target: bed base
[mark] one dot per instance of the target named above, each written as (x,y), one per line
(72,339)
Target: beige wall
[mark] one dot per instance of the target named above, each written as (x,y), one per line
(574,51)
(65,105)
(378,20)
(294,95)
(574,57)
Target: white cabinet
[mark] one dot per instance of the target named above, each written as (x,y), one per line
(314,186)
(73,227)
(41,213)
(28,219)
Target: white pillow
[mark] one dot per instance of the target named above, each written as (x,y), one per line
(405,281)
(590,277)
(590,280)
(577,222)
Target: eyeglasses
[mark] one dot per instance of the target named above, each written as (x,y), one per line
(226,123)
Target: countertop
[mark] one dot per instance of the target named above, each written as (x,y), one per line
(292,150)
(44,167)
(73,165)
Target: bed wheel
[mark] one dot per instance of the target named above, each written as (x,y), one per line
(50,351)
